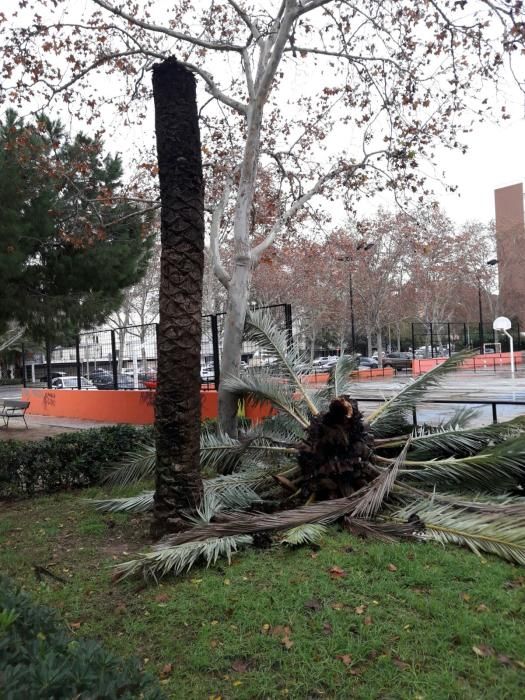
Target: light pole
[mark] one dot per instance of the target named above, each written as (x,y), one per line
(349,259)
(491,262)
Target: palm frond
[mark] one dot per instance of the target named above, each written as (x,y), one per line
(219,452)
(262,329)
(235,491)
(495,468)
(165,559)
(261,388)
(480,531)
(384,531)
(136,504)
(338,380)
(377,491)
(462,443)
(242,524)
(460,418)
(134,466)
(384,419)
(309,533)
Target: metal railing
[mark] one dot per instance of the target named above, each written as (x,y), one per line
(126,357)
(493,403)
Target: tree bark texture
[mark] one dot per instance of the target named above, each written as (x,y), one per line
(177,410)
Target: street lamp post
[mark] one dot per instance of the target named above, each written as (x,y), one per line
(349,259)
(491,262)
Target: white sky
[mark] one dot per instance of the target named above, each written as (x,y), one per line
(496,158)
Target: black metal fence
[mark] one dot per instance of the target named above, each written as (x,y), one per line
(126,357)
(440,339)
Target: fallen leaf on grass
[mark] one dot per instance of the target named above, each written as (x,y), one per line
(483,650)
(166,671)
(337,572)
(465,597)
(515,583)
(327,628)
(287,642)
(75,625)
(337,606)
(314,604)
(360,609)
(367,620)
(392,567)
(505,660)
(481,608)
(345,658)
(402,665)
(240,666)
(162,598)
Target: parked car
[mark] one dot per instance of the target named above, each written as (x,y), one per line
(207,373)
(71,382)
(367,363)
(398,360)
(54,375)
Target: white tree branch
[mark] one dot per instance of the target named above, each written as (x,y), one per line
(216,218)
(159,29)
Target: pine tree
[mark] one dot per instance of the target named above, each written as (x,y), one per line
(69,241)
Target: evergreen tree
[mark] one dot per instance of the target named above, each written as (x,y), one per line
(70,243)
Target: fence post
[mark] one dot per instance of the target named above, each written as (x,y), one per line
(48,363)
(431,340)
(114,359)
(413,342)
(449,344)
(24,376)
(77,361)
(288,325)
(215,348)
(494,413)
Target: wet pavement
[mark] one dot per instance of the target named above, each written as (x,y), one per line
(470,386)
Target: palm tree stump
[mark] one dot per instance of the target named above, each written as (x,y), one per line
(335,456)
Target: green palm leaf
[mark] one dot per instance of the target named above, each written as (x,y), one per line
(338,380)
(386,419)
(136,504)
(494,469)
(165,559)
(480,531)
(261,329)
(309,533)
(462,443)
(261,388)
(134,466)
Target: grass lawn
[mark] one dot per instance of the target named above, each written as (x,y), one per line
(354,619)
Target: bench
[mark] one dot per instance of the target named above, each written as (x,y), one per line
(11,408)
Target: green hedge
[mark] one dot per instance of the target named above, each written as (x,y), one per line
(67,461)
(40,659)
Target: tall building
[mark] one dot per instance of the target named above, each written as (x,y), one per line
(510,240)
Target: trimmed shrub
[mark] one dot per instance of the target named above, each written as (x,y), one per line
(40,659)
(67,461)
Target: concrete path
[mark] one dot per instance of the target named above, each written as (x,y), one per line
(41,427)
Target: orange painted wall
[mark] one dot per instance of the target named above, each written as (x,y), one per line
(497,359)
(136,407)
(322,377)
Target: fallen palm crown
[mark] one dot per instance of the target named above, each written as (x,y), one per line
(317,461)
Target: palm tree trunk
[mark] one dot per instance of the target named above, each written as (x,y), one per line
(177,410)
